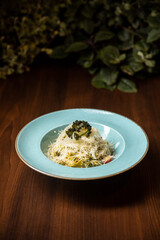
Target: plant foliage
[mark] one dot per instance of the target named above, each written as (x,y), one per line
(114,40)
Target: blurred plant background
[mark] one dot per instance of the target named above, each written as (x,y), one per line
(113,40)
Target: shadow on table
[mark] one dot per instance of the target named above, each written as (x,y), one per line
(115,191)
(124,189)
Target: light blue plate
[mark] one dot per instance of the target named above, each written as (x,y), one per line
(129,140)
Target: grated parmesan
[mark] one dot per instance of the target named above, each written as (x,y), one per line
(84,152)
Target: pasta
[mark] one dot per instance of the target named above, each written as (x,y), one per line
(84,148)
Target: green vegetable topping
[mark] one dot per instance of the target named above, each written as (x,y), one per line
(79,129)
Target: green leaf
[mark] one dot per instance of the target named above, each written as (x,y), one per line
(85,63)
(106,78)
(59,52)
(124,46)
(138,55)
(93,69)
(150,63)
(110,54)
(127,40)
(122,57)
(126,85)
(153,35)
(136,66)
(96,82)
(130,28)
(88,55)
(142,46)
(127,69)
(87,25)
(76,47)
(127,6)
(86,59)
(124,35)
(136,23)
(154,21)
(111,88)
(48,51)
(99,84)
(103,35)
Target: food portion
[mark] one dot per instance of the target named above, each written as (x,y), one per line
(80,145)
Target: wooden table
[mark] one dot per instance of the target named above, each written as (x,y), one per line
(37,207)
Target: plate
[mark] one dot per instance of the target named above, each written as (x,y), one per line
(129,140)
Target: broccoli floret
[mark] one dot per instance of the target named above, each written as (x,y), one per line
(79,129)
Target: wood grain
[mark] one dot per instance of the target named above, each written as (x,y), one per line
(35,206)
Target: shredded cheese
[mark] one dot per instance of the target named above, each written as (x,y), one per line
(84,152)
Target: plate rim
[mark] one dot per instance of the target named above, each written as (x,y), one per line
(74,178)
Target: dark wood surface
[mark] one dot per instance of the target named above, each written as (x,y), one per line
(37,207)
